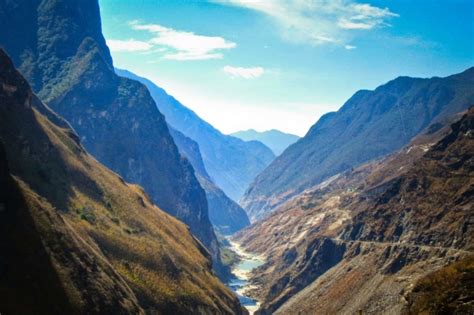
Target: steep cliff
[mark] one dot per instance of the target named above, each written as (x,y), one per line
(59,47)
(76,238)
(225,214)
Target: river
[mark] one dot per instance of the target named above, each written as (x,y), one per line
(241,271)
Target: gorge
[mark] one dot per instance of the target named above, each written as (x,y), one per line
(119,196)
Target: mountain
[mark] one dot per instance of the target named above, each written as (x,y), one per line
(231,162)
(76,238)
(59,47)
(225,214)
(274,139)
(381,238)
(370,125)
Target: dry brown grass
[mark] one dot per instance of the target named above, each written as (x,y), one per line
(449,290)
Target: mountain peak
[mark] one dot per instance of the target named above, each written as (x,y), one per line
(275,139)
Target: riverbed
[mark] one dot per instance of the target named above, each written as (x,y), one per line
(240,284)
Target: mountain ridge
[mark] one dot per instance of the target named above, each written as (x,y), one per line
(275,139)
(231,162)
(369,125)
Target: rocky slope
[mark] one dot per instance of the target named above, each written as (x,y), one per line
(370,125)
(276,140)
(76,238)
(231,162)
(364,238)
(225,214)
(59,47)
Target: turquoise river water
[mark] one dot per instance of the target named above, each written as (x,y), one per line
(241,271)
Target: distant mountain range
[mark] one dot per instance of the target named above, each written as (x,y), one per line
(274,139)
(231,162)
(75,238)
(371,124)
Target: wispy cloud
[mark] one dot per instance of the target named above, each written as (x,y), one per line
(349,47)
(128,45)
(246,73)
(154,51)
(319,21)
(184,45)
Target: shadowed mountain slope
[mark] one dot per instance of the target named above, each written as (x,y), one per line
(363,239)
(225,214)
(274,139)
(58,45)
(231,162)
(76,238)
(370,125)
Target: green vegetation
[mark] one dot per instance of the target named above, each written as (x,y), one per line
(229,257)
(86,213)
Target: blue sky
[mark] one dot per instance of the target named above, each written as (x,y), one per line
(281,64)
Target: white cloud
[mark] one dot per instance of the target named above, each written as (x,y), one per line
(351,25)
(319,21)
(185,45)
(364,17)
(154,51)
(128,45)
(246,73)
(350,47)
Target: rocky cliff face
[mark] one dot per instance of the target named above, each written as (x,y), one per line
(364,238)
(231,162)
(59,47)
(370,125)
(225,214)
(76,238)
(43,34)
